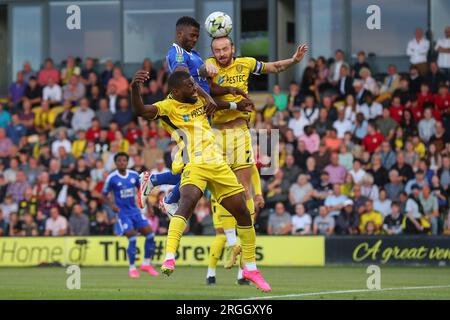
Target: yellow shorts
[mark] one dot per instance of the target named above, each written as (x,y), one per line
(218,178)
(236,144)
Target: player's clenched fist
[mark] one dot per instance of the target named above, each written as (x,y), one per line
(245,105)
(140,77)
(211,69)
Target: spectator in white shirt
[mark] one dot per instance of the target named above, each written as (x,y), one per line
(417,51)
(56,225)
(369,82)
(342,125)
(357,172)
(82,118)
(62,141)
(370,109)
(427,126)
(443,48)
(301,222)
(383,204)
(297,123)
(52,92)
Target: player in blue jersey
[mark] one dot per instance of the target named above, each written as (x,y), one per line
(182,57)
(123,183)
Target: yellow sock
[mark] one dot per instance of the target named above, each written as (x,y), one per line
(216,249)
(247,235)
(251,208)
(177,226)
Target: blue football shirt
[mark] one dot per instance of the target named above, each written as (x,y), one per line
(178,57)
(124,190)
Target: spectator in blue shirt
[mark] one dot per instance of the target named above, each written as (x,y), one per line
(15,130)
(124,115)
(5,117)
(16,90)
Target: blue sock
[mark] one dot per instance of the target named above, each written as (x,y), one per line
(131,250)
(165,178)
(174,195)
(149,246)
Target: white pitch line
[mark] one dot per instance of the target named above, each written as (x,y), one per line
(343,291)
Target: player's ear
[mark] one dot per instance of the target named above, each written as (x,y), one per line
(233,49)
(179,32)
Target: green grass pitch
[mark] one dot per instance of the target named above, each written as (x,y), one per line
(189,283)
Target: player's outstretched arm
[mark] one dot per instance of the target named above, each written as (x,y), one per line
(281,65)
(148,112)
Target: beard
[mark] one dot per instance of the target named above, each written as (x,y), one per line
(225,61)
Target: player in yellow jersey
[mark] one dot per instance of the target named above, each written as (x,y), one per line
(235,139)
(205,168)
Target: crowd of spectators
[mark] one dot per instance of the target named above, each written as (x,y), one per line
(59,131)
(359,153)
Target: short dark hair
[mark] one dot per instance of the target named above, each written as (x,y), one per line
(121,154)
(187,21)
(176,79)
(395,203)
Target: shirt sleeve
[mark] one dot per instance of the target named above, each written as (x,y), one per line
(409,206)
(163,108)
(256,67)
(438,44)
(177,57)
(332,222)
(107,186)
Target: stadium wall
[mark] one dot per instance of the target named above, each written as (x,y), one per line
(111,251)
(270,251)
(388,250)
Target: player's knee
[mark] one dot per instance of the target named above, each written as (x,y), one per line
(220,231)
(187,205)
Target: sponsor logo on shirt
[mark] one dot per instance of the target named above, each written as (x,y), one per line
(126,193)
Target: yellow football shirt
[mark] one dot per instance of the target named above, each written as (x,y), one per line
(189,127)
(235,75)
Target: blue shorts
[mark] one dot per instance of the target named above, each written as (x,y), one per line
(131,222)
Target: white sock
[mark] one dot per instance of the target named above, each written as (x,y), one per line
(170,256)
(231,237)
(239,273)
(132,267)
(211,272)
(146,262)
(250,266)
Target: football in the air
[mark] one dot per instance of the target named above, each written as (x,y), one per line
(218,24)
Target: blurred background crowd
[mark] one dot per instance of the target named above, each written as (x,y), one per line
(359,153)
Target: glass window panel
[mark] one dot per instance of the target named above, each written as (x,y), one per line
(149,27)
(327,27)
(440,17)
(26,37)
(99,36)
(399,18)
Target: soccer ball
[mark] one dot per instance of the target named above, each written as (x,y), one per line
(218,24)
